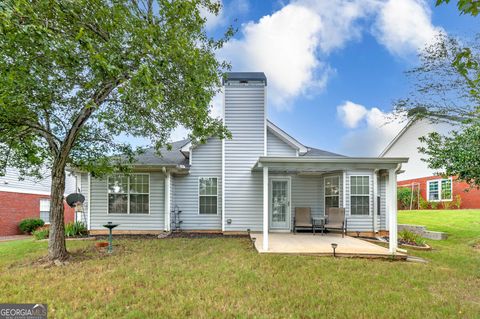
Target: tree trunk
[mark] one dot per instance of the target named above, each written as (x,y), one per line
(57,248)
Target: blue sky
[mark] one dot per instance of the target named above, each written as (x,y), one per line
(334,67)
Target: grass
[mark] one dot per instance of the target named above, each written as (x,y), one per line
(224,277)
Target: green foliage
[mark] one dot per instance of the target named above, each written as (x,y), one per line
(30,224)
(447,88)
(41,233)
(471,7)
(450,154)
(411,238)
(433,205)
(404,196)
(457,202)
(75,229)
(447,205)
(423,203)
(76,75)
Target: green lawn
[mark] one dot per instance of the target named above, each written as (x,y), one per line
(224,277)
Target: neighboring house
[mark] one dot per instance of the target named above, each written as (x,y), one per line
(253,181)
(27,198)
(418,176)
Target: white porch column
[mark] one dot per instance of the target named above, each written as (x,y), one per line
(167,201)
(265,208)
(392,211)
(375,203)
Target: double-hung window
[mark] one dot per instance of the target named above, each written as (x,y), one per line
(359,195)
(207,196)
(332,192)
(45,210)
(439,190)
(129,194)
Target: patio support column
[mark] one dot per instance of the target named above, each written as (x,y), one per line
(375,203)
(265,208)
(392,211)
(167,201)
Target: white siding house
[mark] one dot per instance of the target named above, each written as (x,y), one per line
(251,182)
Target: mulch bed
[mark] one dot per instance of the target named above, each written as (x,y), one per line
(203,235)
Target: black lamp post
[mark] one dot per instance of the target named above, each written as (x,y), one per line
(334,246)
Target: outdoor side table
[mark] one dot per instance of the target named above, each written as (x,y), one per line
(318,224)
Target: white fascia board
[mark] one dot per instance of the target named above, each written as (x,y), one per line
(326,159)
(286,138)
(186,148)
(397,137)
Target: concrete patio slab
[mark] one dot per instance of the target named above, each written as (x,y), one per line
(288,243)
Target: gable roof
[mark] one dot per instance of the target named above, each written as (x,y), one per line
(397,137)
(316,152)
(281,134)
(177,157)
(166,157)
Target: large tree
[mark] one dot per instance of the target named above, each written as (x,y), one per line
(74,75)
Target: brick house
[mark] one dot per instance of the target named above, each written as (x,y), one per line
(416,173)
(20,199)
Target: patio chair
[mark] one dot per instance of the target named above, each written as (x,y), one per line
(335,219)
(302,219)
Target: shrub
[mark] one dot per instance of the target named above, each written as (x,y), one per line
(404,196)
(423,203)
(447,205)
(457,202)
(74,229)
(434,205)
(41,233)
(30,224)
(411,238)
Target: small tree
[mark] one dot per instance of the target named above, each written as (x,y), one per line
(76,74)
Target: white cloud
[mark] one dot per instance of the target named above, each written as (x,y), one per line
(288,45)
(351,113)
(405,26)
(213,20)
(292,44)
(370,129)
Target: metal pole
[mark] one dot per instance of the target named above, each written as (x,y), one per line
(110,241)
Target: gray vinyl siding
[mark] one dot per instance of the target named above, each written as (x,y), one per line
(206,162)
(308,191)
(245,118)
(153,221)
(84,191)
(359,222)
(277,147)
(10,182)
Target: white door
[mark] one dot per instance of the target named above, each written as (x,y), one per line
(280,204)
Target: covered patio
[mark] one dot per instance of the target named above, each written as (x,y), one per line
(285,171)
(321,245)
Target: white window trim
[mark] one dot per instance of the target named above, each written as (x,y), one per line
(198,196)
(128,196)
(40,210)
(439,180)
(369,196)
(325,193)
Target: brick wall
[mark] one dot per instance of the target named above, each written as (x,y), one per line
(17,206)
(470,199)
